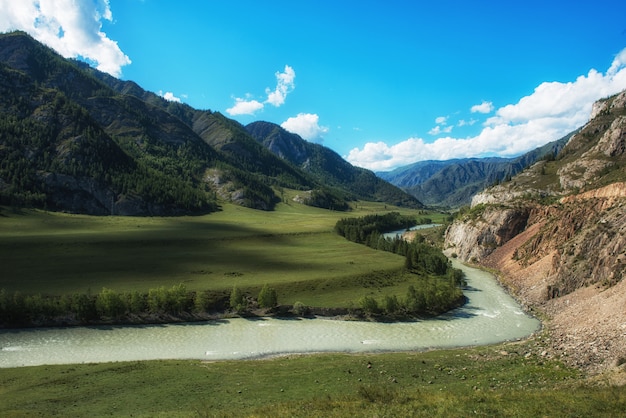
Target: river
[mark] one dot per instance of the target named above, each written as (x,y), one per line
(398,233)
(490,316)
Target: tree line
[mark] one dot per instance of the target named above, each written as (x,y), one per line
(437,287)
(18,309)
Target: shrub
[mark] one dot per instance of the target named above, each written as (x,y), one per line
(267,297)
(300,309)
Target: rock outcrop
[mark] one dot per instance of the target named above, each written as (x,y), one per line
(475,239)
(557,235)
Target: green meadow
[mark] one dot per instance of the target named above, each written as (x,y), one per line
(292,249)
(295,250)
(510,380)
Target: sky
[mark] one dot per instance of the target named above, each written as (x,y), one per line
(383,83)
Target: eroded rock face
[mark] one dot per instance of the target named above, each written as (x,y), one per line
(568,257)
(474,240)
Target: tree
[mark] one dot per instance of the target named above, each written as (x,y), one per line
(110,304)
(369,305)
(300,309)
(392,305)
(267,297)
(237,300)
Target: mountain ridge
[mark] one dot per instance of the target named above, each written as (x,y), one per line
(326,166)
(453,183)
(556,232)
(178,159)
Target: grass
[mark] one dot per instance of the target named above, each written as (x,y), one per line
(487,381)
(293,249)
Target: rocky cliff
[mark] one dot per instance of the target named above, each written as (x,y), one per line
(557,235)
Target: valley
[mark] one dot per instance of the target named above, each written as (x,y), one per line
(112,197)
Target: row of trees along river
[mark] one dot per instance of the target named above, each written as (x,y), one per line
(436,285)
(435,288)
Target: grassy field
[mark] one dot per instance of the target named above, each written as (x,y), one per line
(295,250)
(292,249)
(502,380)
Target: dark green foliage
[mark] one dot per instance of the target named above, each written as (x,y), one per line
(25,310)
(65,152)
(174,300)
(362,229)
(324,198)
(369,305)
(267,297)
(439,285)
(110,304)
(238,301)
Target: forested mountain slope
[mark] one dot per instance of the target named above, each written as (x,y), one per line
(327,167)
(79,140)
(557,232)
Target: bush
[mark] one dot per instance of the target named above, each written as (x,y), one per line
(237,300)
(267,297)
(369,305)
(300,309)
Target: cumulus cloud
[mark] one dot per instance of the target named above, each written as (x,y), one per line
(284,85)
(72,28)
(244,107)
(439,129)
(169,96)
(307,126)
(484,107)
(553,110)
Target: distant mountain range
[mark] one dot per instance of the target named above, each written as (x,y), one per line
(452,183)
(75,139)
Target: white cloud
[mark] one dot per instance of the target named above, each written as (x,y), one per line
(484,107)
(72,28)
(439,130)
(464,122)
(549,113)
(244,107)
(307,126)
(284,85)
(441,120)
(169,96)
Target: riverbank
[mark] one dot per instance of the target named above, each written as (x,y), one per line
(490,316)
(279,312)
(498,380)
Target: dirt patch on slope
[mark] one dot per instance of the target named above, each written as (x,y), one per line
(587,328)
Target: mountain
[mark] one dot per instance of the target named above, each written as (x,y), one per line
(75,139)
(452,183)
(327,167)
(556,232)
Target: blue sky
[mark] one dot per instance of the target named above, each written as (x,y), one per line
(383,83)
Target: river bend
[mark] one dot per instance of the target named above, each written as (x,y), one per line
(490,316)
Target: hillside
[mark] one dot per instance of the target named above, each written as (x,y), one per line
(327,167)
(557,232)
(78,140)
(452,183)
